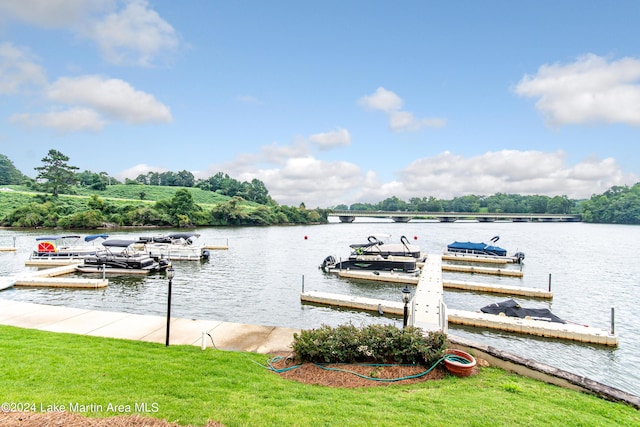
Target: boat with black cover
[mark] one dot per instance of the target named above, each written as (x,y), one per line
(376,246)
(377,255)
(511,308)
(119,257)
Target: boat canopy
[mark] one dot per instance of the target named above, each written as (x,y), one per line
(92,237)
(57,237)
(512,309)
(477,248)
(118,243)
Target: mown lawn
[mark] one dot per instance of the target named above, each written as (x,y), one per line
(191,386)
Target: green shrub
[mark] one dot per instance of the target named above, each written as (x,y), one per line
(370,344)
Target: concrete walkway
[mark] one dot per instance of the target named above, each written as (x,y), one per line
(226,336)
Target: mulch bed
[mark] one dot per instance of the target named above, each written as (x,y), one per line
(67,419)
(310,373)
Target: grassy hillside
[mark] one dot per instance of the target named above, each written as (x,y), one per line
(153,193)
(13,196)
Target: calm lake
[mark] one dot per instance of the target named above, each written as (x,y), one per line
(258,280)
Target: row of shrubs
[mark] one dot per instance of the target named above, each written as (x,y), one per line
(369,344)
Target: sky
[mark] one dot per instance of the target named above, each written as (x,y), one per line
(330,102)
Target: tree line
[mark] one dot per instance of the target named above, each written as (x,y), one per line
(618,205)
(497,203)
(56,176)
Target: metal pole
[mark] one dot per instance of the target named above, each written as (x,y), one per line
(613,321)
(168,313)
(303,283)
(549,282)
(406,316)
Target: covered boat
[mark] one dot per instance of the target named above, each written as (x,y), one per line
(68,246)
(173,246)
(481,248)
(370,263)
(377,255)
(512,309)
(376,246)
(120,257)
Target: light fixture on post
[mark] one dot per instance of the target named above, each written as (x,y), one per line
(170,275)
(406,297)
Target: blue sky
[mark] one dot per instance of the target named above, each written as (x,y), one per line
(330,102)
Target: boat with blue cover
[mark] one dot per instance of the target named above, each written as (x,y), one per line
(483,249)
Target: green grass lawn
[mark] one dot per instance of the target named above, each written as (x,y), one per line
(190,386)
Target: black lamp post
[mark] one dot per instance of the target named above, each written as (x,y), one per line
(406,297)
(170,274)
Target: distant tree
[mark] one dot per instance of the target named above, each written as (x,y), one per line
(9,175)
(57,175)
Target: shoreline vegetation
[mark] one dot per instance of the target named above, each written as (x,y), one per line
(61,197)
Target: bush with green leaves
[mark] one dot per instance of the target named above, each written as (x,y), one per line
(369,344)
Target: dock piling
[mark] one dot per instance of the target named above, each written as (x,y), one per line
(613,321)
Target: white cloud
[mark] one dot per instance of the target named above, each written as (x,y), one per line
(308,180)
(328,140)
(390,103)
(52,13)
(135,35)
(113,98)
(18,70)
(508,171)
(248,99)
(383,100)
(405,121)
(73,120)
(589,90)
(139,169)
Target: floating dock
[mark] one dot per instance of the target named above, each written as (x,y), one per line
(7,249)
(497,289)
(411,279)
(359,303)
(52,262)
(62,282)
(49,278)
(540,328)
(428,311)
(216,247)
(482,270)
(380,276)
(476,258)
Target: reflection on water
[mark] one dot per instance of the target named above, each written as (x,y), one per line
(259,279)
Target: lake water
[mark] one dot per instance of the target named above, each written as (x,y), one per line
(258,280)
